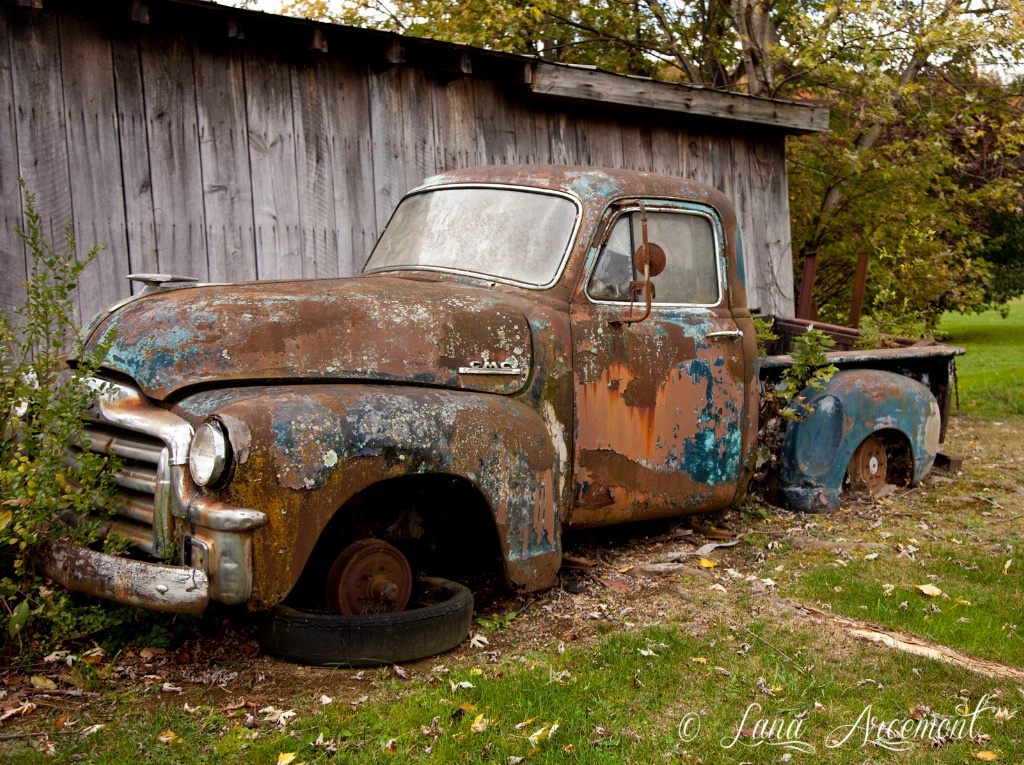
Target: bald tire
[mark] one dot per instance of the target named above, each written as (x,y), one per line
(437,619)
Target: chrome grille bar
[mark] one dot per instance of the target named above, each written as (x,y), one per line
(142,506)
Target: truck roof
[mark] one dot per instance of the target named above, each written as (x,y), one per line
(591,185)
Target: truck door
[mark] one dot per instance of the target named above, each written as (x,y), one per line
(659,403)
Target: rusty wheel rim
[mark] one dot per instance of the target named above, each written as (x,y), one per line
(369,577)
(869,466)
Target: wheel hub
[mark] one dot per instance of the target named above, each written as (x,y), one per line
(369,577)
(869,467)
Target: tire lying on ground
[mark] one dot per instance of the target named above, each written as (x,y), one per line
(437,619)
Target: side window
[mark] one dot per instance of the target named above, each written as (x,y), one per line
(690,275)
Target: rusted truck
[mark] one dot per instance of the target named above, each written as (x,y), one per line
(528,350)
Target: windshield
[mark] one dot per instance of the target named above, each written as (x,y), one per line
(509,234)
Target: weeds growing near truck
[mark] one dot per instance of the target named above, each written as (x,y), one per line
(784,402)
(41,404)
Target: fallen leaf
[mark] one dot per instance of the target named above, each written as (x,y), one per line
(929,589)
(706,549)
(465,684)
(25,709)
(240,704)
(391,747)
(358,702)
(477,640)
(718,587)
(149,653)
(1006,566)
(710,533)
(61,722)
(568,748)
(325,700)
(399,672)
(475,672)
(699,659)
(615,586)
(167,737)
(705,563)
(286,758)
(962,602)
(91,729)
(524,723)
(871,556)
(479,724)
(466,708)
(168,688)
(42,683)
(624,569)
(278,716)
(545,732)
(986,756)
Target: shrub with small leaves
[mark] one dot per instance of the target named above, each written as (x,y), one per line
(44,481)
(783,402)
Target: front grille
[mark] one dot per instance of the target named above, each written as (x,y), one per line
(142,508)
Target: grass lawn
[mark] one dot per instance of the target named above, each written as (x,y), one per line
(992,373)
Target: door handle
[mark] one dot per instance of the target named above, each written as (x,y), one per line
(732,334)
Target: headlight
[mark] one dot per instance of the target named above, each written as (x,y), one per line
(210,455)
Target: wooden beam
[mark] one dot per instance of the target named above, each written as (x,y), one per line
(560,81)
(807,287)
(858,290)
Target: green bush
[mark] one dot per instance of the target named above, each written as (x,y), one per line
(43,483)
(783,403)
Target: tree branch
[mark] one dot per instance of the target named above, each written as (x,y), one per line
(684,62)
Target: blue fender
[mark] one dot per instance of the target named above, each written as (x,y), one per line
(853,405)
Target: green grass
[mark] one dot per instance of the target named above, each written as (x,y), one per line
(991,375)
(613,704)
(974,585)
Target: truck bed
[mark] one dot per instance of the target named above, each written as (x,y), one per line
(929,362)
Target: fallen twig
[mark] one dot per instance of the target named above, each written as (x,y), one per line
(779,651)
(1007,520)
(873,633)
(8,736)
(72,692)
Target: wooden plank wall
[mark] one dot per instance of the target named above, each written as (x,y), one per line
(215,159)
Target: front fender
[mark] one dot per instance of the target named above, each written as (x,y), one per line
(301,452)
(853,404)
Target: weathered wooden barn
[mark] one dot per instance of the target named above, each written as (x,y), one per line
(202,140)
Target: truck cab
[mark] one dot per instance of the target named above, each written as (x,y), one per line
(528,349)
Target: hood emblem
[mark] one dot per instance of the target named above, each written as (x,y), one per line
(484,366)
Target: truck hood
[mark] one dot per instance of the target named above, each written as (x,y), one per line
(377,328)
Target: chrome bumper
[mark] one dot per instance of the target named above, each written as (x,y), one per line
(161,512)
(155,586)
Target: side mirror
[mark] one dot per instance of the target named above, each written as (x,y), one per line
(649,260)
(653,265)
